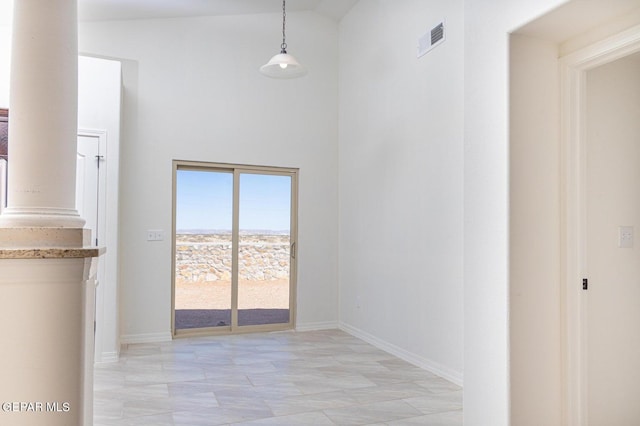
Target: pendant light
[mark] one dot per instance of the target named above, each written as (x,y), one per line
(283,65)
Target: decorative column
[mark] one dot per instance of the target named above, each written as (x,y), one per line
(47,269)
(43,116)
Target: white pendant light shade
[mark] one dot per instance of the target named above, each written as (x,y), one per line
(283,65)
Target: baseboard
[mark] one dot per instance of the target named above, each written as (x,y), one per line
(127,339)
(427,364)
(321,325)
(108,357)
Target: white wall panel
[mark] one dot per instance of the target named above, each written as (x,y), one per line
(192,91)
(401,175)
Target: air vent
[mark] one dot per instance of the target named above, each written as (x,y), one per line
(437,34)
(431,39)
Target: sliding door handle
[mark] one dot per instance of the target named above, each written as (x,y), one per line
(293,250)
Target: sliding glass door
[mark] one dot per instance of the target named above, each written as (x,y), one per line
(234,248)
(202,241)
(265,249)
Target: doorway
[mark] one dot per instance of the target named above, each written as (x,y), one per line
(601,91)
(612,263)
(91,193)
(234,248)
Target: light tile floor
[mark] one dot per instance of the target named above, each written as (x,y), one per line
(289,378)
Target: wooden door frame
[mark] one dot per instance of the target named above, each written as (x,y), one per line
(573,72)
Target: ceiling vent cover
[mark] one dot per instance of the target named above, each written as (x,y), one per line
(431,39)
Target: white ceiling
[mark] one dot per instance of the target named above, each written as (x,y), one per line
(102,10)
(106,10)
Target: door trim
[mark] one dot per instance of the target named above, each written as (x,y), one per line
(573,72)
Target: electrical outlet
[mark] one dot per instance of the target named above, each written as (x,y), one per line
(155,235)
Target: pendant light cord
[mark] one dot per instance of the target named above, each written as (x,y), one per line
(283,46)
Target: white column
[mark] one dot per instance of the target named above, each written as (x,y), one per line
(43,115)
(47,276)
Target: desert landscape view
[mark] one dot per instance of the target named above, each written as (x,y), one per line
(203,276)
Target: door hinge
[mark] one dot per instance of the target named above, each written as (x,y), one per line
(585,284)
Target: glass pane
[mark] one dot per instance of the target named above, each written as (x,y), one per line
(264,246)
(204,216)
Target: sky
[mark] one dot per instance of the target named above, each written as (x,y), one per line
(204,200)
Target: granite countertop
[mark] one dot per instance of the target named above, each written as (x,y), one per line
(47,243)
(51,252)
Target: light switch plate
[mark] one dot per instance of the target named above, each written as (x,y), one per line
(625,236)
(155,235)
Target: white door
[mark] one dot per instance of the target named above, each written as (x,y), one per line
(88,206)
(612,326)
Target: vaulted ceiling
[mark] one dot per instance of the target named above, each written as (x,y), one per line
(106,10)
(101,10)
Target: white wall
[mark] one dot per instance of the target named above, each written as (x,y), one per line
(99,99)
(486,204)
(401,124)
(534,233)
(192,91)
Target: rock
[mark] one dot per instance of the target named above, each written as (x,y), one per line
(207,257)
